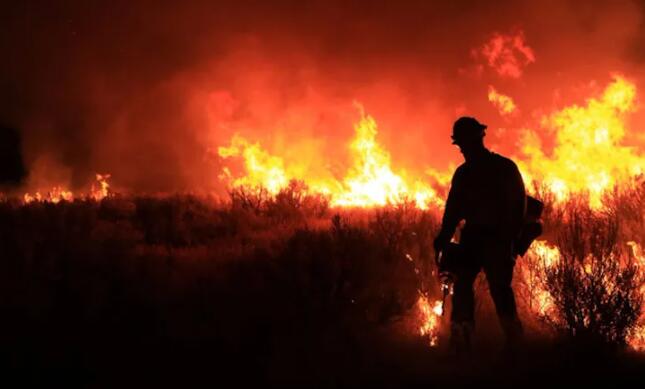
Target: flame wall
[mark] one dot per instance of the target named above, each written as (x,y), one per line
(148,92)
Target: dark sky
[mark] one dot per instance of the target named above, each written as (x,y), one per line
(145,90)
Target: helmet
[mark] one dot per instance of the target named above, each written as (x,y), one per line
(467,128)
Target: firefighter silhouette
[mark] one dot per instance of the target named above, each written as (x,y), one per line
(487,192)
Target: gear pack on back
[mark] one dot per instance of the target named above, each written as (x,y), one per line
(532,227)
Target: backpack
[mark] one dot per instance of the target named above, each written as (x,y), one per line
(532,227)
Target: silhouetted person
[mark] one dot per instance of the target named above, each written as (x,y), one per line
(487,192)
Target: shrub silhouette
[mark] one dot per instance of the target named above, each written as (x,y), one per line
(262,282)
(594,285)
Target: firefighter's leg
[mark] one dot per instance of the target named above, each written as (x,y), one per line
(462,319)
(499,273)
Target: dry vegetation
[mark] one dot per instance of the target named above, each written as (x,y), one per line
(596,285)
(279,288)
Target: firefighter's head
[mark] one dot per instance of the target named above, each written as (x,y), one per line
(467,130)
(468,134)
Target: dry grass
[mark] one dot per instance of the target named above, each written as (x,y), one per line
(277,284)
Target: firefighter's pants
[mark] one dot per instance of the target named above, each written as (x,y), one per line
(495,257)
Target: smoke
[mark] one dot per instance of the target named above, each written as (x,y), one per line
(146,92)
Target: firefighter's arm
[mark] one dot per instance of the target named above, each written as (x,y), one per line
(452,214)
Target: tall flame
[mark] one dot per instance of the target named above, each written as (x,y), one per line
(369,182)
(101,188)
(588,155)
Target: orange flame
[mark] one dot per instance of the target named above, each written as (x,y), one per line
(55,195)
(587,156)
(369,182)
(262,168)
(99,190)
(541,301)
(504,104)
(430,316)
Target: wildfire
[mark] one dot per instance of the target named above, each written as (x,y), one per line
(544,256)
(55,195)
(587,156)
(99,190)
(262,168)
(369,182)
(504,104)
(429,316)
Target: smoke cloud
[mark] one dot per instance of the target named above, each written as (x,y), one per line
(147,92)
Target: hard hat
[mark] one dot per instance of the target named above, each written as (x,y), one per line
(467,128)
